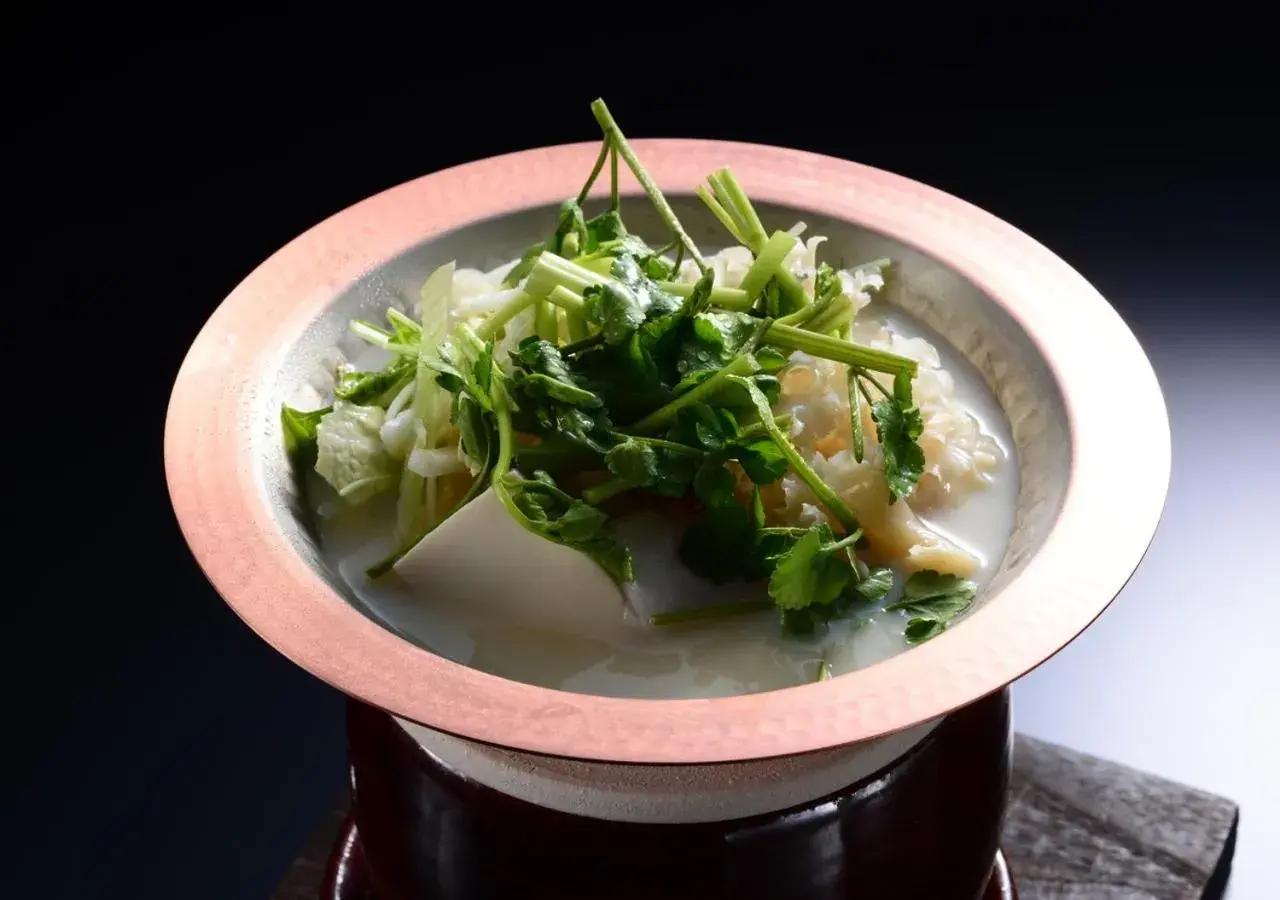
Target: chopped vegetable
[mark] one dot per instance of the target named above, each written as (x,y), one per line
(350,455)
(650,386)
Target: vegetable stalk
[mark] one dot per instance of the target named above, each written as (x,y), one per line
(620,145)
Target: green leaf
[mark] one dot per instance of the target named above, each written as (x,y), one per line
(929,583)
(771,545)
(717,546)
(550,400)
(875,586)
(813,572)
(300,435)
(762,460)
(659,466)
(934,598)
(615,308)
(704,426)
(732,393)
(550,512)
(569,221)
(716,338)
(608,227)
(476,432)
(920,630)
(898,429)
(714,484)
(370,388)
(771,361)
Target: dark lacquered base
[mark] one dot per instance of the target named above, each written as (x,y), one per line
(347,878)
(926,827)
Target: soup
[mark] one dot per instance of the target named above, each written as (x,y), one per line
(619,468)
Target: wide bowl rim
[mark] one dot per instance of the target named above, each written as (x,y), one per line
(1109,513)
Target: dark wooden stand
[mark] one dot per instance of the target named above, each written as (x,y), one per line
(1075,825)
(347,877)
(927,827)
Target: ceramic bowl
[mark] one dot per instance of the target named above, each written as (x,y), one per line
(1089,428)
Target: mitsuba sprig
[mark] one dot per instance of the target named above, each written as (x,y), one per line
(657,385)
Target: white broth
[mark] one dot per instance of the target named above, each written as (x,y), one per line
(485,593)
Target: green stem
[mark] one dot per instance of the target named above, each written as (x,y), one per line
(400,320)
(490,327)
(551,270)
(836,350)
(733,199)
(401,349)
(711,611)
(826,496)
(723,297)
(606,490)
(855,414)
(545,324)
(579,330)
(595,173)
(582,345)
(744,364)
(598,264)
(371,333)
(613,176)
(805,314)
(847,541)
(758,429)
(824,670)
(619,140)
(720,213)
(567,300)
(733,208)
(837,313)
(888,394)
(506,433)
(768,262)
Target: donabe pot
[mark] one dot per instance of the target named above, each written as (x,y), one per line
(892,771)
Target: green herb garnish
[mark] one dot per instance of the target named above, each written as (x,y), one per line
(646,385)
(933,600)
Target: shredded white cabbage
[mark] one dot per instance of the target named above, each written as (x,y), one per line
(350,453)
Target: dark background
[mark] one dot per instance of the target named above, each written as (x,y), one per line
(156,748)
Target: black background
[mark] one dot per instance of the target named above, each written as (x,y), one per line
(156,747)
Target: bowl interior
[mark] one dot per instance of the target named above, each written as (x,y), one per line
(980,329)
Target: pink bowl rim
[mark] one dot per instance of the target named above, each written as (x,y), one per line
(1109,516)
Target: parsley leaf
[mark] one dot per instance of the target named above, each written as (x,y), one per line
(551,402)
(761,459)
(620,306)
(548,511)
(660,466)
(812,572)
(874,587)
(615,308)
(608,227)
(704,426)
(933,600)
(715,339)
(898,429)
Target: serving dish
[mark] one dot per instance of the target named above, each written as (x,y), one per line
(1068,374)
